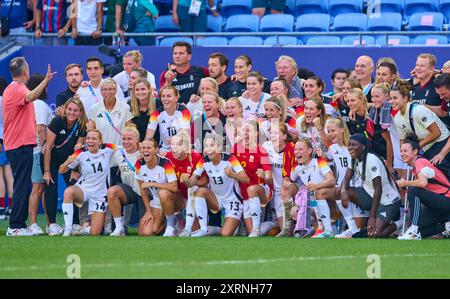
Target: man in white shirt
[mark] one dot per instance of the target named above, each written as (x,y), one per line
(87,20)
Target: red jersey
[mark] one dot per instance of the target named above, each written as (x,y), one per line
(184,166)
(251,160)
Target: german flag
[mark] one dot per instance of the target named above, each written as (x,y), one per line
(322,162)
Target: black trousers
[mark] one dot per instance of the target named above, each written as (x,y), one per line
(21,160)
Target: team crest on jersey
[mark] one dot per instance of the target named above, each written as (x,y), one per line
(424,119)
(427,93)
(192,78)
(103,156)
(374,168)
(252,158)
(189,169)
(159,176)
(119,115)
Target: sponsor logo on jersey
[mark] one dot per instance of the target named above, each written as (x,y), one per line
(247,108)
(144,174)
(62,131)
(189,169)
(374,168)
(427,93)
(163,121)
(252,158)
(88,160)
(100,115)
(191,77)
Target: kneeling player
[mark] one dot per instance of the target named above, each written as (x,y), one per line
(91,186)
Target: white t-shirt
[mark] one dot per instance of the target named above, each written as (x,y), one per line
(195,109)
(422,119)
(94,170)
(375,168)
(90,95)
(87,15)
(44,116)
(118,116)
(126,165)
(342,160)
(251,108)
(398,162)
(276,161)
(122,79)
(314,172)
(311,133)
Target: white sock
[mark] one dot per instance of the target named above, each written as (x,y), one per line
(255,211)
(190,212)
(398,223)
(87,230)
(447,226)
(348,216)
(201,209)
(266,227)
(324,215)
(170,220)
(67,209)
(118,223)
(415,228)
(213,230)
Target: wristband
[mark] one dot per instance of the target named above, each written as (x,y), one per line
(214,8)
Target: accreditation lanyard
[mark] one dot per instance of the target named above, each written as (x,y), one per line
(68,137)
(93,93)
(127,161)
(111,123)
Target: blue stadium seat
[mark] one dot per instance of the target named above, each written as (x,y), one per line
(388,21)
(169,41)
(430,40)
(303,7)
(382,6)
(165,24)
(323,41)
(246,41)
(337,7)
(432,21)
(242,23)
(393,40)
(233,7)
(208,9)
(289,7)
(444,8)
(350,22)
(277,22)
(214,23)
(415,6)
(313,22)
(282,40)
(353,40)
(212,41)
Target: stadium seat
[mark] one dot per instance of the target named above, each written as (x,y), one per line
(416,6)
(282,41)
(323,41)
(354,40)
(444,8)
(393,40)
(277,22)
(242,23)
(350,22)
(313,22)
(165,24)
(246,41)
(388,21)
(234,7)
(212,41)
(430,40)
(214,23)
(337,7)
(432,21)
(383,6)
(208,9)
(169,41)
(311,6)
(289,7)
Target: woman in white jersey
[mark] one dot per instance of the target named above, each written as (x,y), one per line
(235,119)
(317,177)
(378,193)
(195,104)
(127,192)
(254,102)
(224,172)
(94,162)
(170,118)
(159,189)
(312,124)
(275,112)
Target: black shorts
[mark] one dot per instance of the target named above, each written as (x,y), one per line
(133,198)
(387,213)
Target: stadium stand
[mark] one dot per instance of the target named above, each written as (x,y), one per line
(246,41)
(337,7)
(417,6)
(430,40)
(350,22)
(233,7)
(169,41)
(430,21)
(324,40)
(166,24)
(444,8)
(355,40)
(385,6)
(311,6)
(214,24)
(388,21)
(282,41)
(277,22)
(212,41)
(242,23)
(393,40)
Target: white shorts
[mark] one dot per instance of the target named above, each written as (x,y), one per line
(233,207)
(96,203)
(277,205)
(155,203)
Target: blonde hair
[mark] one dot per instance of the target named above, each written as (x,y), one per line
(220,102)
(384,87)
(361,96)
(323,116)
(238,102)
(280,103)
(82,119)
(133,129)
(340,123)
(136,54)
(210,80)
(431,58)
(185,137)
(135,110)
(172,88)
(218,140)
(108,81)
(100,135)
(288,59)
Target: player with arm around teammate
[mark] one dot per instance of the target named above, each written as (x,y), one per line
(94,162)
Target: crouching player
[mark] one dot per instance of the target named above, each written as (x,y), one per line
(94,165)
(224,172)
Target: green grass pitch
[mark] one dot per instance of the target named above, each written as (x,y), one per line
(216,257)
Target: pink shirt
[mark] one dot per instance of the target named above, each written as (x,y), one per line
(430,171)
(18,117)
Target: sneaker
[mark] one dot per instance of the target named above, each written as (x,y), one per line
(77,230)
(170,231)
(18,232)
(185,233)
(2,213)
(324,235)
(67,232)
(54,230)
(35,229)
(285,232)
(304,233)
(410,235)
(316,233)
(118,233)
(347,234)
(255,233)
(199,233)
